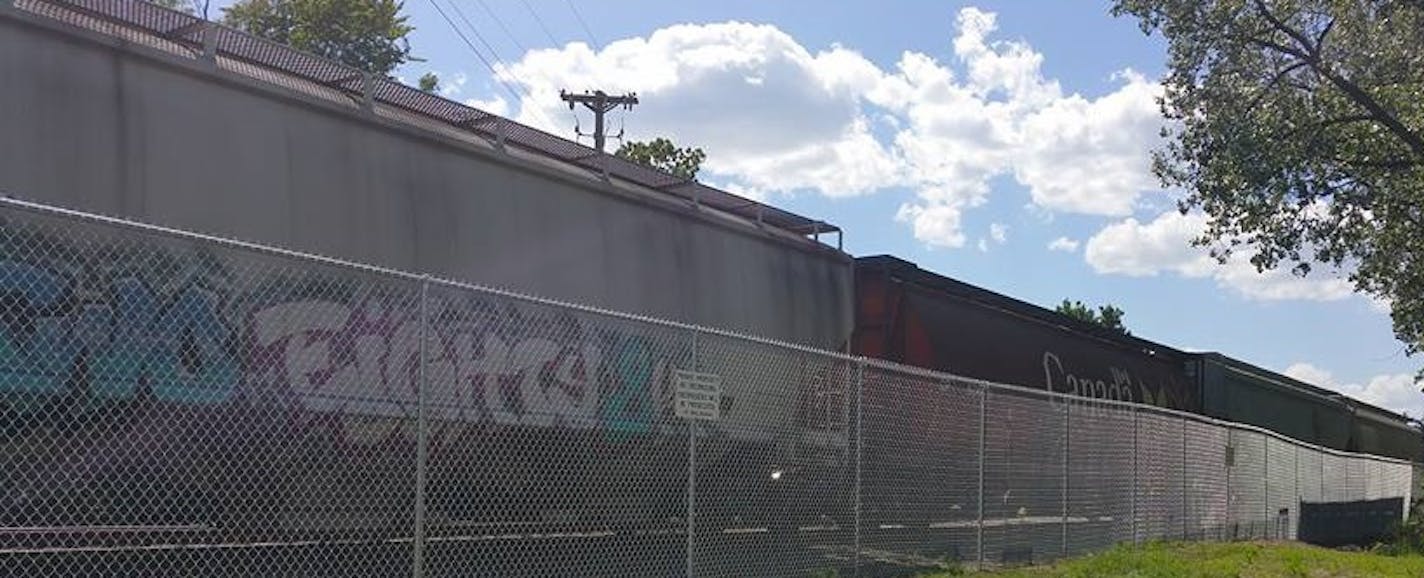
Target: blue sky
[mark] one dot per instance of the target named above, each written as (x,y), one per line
(966,137)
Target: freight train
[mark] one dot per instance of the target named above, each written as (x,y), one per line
(909,315)
(153,382)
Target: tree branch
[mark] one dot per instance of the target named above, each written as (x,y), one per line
(1310,53)
(1320,38)
(1324,124)
(1263,43)
(1362,98)
(1296,35)
(1274,80)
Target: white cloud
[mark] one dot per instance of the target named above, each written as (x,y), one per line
(453,85)
(776,117)
(999,233)
(1137,249)
(1063,244)
(1311,374)
(771,114)
(983,245)
(1398,392)
(1140,249)
(497,105)
(1091,156)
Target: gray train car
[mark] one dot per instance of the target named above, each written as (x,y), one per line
(121,109)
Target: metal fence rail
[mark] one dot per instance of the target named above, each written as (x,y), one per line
(182,405)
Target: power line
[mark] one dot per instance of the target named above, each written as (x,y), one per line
(518,94)
(586,30)
(540,22)
(519,83)
(497,20)
(480,37)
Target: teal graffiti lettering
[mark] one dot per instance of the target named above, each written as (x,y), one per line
(192,363)
(116,367)
(629,408)
(37,352)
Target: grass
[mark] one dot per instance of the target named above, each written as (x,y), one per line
(1243,559)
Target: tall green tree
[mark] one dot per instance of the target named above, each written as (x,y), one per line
(1108,316)
(1298,130)
(662,154)
(367,34)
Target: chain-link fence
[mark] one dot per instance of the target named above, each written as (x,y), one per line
(180,405)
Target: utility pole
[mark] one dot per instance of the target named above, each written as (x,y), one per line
(599,102)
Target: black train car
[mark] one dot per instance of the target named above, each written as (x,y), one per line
(908,315)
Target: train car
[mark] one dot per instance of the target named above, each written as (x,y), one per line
(280,155)
(1237,391)
(912,316)
(158,382)
(908,315)
(205,393)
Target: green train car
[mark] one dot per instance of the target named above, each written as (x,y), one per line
(1238,391)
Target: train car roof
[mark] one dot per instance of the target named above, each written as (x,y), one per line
(1288,382)
(314,77)
(911,273)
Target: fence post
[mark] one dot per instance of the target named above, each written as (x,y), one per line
(1322,476)
(1067,453)
(979,525)
(421,455)
(1186,475)
(1230,462)
(1266,481)
(1294,513)
(859,446)
(692,468)
(1134,474)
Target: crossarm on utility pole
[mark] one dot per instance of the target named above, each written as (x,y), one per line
(600,103)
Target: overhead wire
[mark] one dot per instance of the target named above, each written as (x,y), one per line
(517,91)
(586,30)
(553,43)
(500,22)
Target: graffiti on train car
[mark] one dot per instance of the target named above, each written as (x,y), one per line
(60,328)
(133,323)
(488,363)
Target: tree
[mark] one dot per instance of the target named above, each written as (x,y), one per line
(367,34)
(1297,129)
(662,154)
(429,82)
(1107,316)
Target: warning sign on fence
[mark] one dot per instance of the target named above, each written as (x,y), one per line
(697,395)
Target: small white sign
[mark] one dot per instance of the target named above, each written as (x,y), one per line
(697,395)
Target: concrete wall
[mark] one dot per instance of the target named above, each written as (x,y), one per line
(95,124)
